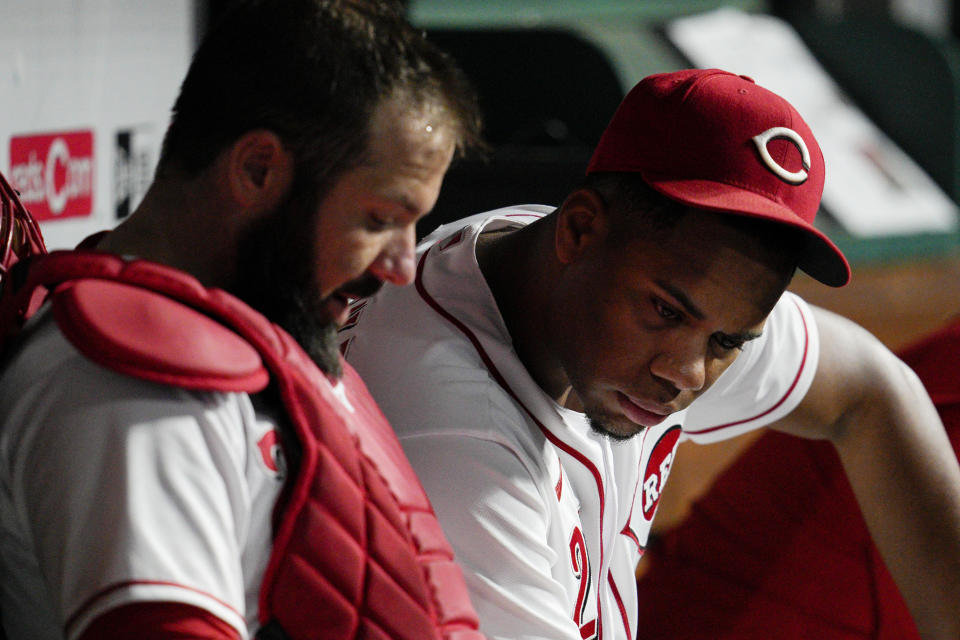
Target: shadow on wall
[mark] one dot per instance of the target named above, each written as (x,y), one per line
(546,96)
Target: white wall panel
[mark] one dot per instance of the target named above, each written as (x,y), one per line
(74,74)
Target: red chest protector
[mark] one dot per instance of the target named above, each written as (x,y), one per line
(358,551)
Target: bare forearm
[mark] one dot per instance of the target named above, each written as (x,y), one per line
(907,481)
(899,462)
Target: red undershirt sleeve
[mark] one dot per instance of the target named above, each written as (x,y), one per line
(158,621)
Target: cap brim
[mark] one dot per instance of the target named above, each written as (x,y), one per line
(821,259)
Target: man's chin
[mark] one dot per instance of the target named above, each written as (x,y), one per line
(322,345)
(312,327)
(616,428)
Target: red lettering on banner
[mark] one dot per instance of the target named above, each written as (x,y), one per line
(54,173)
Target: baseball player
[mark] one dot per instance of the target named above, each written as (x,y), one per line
(173,463)
(547,362)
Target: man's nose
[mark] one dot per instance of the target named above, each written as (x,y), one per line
(396,262)
(684,367)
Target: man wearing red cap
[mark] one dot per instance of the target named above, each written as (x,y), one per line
(549,361)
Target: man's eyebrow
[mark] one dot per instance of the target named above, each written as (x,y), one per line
(695,311)
(682,298)
(402,201)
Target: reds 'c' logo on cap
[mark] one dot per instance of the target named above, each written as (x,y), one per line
(784,133)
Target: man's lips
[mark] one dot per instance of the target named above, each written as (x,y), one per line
(338,303)
(643,413)
(362,287)
(337,308)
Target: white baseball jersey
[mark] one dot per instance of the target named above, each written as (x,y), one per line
(115,491)
(547,518)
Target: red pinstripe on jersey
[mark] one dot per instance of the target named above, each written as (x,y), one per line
(623,610)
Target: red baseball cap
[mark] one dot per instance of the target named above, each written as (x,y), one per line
(715,140)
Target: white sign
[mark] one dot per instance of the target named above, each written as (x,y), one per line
(83,83)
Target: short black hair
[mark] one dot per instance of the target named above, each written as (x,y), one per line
(639,207)
(313,72)
(634,201)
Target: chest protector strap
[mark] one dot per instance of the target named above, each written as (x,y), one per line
(358,551)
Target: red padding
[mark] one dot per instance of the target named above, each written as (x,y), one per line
(147,335)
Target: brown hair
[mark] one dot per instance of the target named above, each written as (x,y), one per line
(313,72)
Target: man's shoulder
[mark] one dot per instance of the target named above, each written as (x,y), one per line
(519,214)
(47,372)
(425,374)
(425,351)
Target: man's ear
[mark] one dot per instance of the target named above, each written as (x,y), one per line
(259,170)
(582,221)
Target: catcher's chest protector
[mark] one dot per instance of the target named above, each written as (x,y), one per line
(358,551)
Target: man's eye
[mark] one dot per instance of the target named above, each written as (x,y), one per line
(664,311)
(377,222)
(727,343)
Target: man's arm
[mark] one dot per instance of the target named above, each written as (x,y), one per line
(899,462)
(127,496)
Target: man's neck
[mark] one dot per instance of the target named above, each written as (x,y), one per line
(514,264)
(171,227)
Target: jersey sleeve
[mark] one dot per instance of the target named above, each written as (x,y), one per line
(496,518)
(131,492)
(766,382)
(158,621)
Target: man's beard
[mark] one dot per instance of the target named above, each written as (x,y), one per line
(601,421)
(275,276)
(301,311)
